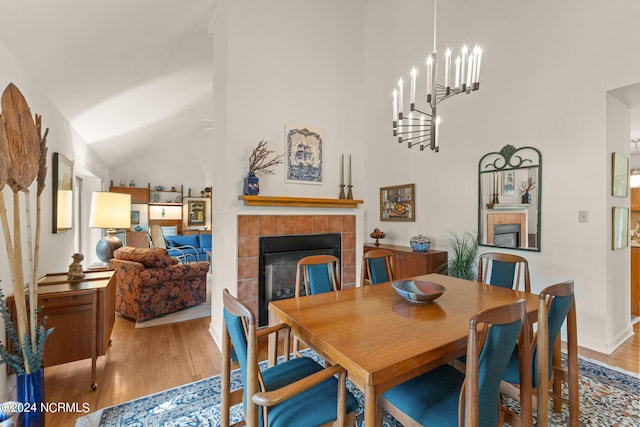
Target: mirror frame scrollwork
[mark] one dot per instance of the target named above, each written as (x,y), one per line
(508,162)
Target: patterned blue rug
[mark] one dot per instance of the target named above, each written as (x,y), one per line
(607,398)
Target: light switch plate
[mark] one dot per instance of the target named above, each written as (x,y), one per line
(583,216)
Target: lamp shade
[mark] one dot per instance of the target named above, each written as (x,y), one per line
(110,210)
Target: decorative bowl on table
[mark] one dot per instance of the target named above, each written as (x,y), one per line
(420,243)
(418,290)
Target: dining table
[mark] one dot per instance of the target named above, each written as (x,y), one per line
(382,339)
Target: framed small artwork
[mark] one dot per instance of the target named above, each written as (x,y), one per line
(303,152)
(508,183)
(197,212)
(135,217)
(619,175)
(620,228)
(398,203)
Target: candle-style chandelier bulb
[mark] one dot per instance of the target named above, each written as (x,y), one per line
(421,127)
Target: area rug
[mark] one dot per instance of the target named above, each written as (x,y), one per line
(608,397)
(195,312)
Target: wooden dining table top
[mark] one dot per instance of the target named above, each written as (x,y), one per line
(381,338)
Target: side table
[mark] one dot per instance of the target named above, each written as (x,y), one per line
(82,313)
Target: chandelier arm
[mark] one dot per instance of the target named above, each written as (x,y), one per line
(422,112)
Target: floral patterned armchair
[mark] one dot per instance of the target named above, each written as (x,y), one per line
(150,283)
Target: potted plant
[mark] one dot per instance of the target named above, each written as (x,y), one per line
(259,162)
(462,261)
(23,158)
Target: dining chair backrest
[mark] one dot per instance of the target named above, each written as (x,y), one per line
(559,304)
(505,270)
(240,324)
(292,392)
(493,335)
(560,300)
(446,396)
(319,273)
(377,265)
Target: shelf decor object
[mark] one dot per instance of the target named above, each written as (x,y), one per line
(259,162)
(421,127)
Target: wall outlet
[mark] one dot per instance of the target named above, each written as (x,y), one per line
(583,216)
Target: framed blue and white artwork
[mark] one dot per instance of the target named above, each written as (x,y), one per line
(303,148)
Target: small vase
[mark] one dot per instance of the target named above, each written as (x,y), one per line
(30,391)
(526,197)
(251,185)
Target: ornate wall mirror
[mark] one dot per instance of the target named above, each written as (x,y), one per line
(509,196)
(62,193)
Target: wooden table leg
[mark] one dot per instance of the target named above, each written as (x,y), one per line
(273,342)
(572,365)
(94,338)
(543,366)
(371,407)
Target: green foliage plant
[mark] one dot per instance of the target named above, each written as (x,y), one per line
(16,359)
(462,262)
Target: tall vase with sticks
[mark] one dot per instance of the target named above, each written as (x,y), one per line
(23,155)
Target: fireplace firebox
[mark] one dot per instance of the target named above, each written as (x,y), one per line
(506,235)
(278,258)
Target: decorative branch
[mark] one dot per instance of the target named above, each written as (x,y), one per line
(258,161)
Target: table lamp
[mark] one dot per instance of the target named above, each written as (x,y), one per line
(110,211)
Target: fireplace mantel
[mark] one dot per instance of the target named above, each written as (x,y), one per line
(305,202)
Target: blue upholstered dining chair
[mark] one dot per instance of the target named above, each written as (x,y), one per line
(445,396)
(504,270)
(377,265)
(560,304)
(319,273)
(295,392)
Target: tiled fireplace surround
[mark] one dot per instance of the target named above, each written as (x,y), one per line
(252,227)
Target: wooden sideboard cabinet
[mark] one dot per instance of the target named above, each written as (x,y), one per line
(82,313)
(407,263)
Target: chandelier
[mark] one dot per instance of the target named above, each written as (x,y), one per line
(421,127)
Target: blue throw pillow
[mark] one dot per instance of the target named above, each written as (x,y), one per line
(205,240)
(183,240)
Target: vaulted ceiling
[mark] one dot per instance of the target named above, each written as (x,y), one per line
(126,74)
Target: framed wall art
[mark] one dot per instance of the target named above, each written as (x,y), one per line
(508,183)
(135,217)
(619,175)
(303,149)
(620,228)
(398,203)
(62,212)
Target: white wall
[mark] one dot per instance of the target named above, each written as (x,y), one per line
(55,249)
(546,69)
(274,63)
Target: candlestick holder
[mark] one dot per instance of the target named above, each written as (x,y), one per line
(350,193)
(341,196)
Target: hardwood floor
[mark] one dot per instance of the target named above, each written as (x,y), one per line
(145,361)
(627,356)
(138,363)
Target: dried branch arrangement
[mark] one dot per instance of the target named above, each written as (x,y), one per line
(259,159)
(23,155)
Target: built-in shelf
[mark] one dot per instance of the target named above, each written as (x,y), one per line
(304,202)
